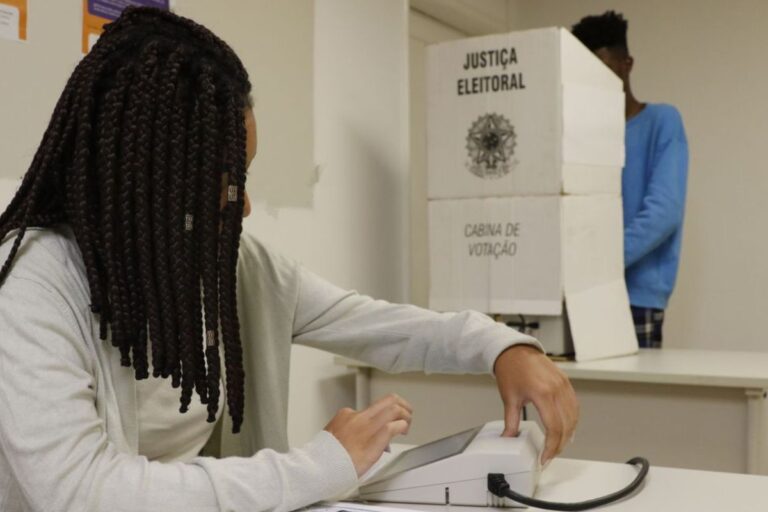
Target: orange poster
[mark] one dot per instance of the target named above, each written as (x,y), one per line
(13,20)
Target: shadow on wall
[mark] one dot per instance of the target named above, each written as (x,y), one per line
(376,190)
(336,392)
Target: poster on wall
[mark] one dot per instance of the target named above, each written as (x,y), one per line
(98,12)
(13,20)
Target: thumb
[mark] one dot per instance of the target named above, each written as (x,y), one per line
(512,419)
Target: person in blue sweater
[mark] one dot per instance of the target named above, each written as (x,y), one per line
(653,183)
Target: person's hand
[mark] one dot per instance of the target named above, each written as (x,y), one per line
(525,375)
(366,434)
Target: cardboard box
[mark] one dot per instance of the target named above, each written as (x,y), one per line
(523,113)
(531,255)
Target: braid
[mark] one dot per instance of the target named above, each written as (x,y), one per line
(109,127)
(144,125)
(169,22)
(209,216)
(125,224)
(230,238)
(76,185)
(132,162)
(180,267)
(192,266)
(186,339)
(160,171)
(5,270)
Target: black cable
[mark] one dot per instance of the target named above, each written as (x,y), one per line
(499,486)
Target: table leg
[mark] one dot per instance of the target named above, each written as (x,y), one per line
(757,432)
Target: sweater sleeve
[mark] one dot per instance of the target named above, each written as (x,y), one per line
(661,212)
(61,458)
(394,337)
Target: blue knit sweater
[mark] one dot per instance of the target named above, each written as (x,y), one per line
(653,189)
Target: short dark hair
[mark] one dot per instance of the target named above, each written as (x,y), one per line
(607,30)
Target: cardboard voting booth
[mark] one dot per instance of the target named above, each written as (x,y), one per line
(525,113)
(525,147)
(531,255)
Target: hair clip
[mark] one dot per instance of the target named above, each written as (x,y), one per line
(232,193)
(188,219)
(210,338)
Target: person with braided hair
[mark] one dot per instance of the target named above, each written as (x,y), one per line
(145,340)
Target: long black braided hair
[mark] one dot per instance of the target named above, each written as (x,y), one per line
(132,160)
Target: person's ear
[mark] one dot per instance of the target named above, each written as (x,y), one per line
(628,64)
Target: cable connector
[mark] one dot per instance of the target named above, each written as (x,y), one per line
(498,486)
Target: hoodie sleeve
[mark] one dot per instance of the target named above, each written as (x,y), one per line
(60,457)
(396,337)
(663,205)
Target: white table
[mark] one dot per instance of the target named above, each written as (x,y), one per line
(665,489)
(716,385)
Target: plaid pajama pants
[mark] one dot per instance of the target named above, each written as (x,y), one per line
(648,323)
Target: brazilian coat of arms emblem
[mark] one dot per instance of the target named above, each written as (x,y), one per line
(491,146)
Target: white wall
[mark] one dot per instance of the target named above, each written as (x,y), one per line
(355,233)
(423,30)
(706,57)
(471,17)
(274,40)
(32,75)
